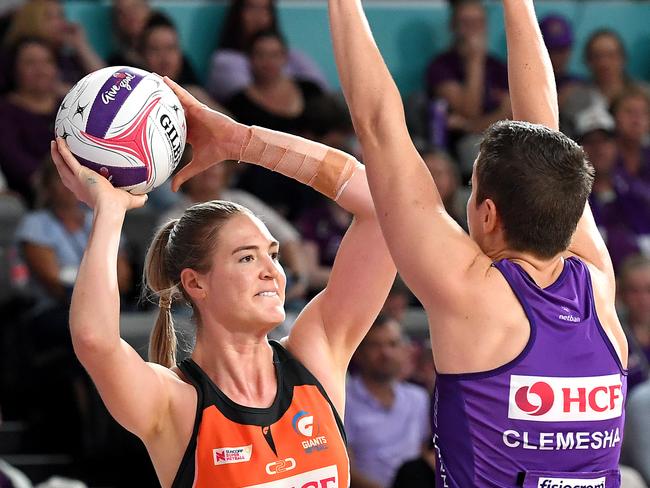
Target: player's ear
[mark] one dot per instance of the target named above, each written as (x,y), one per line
(490,216)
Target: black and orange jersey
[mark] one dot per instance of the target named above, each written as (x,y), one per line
(297,442)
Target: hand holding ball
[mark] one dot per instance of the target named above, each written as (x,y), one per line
(126,124)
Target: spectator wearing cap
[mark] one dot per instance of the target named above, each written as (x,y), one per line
(621,207)
(606,59)
(558,37)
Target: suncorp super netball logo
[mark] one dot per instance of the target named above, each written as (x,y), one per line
(553,399)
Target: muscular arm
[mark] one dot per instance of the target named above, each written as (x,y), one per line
(134,391)
(431,251)
(534,99)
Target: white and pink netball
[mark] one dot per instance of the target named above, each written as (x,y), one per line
(126,124)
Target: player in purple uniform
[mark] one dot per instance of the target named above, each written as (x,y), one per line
(530,354)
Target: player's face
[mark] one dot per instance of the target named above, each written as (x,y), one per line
(162,53)
(633,118)
(246,284)
(35,69)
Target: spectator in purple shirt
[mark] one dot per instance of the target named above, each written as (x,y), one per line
(386,420)
(230,69)
(634,312)
(620,210)
(27,114)
(631,111)
(473,82)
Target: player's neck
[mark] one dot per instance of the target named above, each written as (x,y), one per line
(243,369)
(544,272)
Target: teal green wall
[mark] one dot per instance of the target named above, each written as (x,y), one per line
(408,33)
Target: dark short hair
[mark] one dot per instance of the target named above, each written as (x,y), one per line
(539,180)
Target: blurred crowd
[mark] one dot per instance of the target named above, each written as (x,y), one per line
(255,76)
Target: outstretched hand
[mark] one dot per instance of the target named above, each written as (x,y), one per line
(214,136)
(89,186)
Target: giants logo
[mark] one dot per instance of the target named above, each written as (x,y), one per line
(547,399)
(303,423)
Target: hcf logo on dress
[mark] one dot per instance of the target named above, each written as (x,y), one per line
(557,399)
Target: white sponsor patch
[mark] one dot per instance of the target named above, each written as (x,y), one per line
(230,455)
(570,483)
(556,399)
(318,478)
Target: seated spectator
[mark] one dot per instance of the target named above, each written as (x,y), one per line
(129,18)
(27,114)
(276,101)
(558,37)
(634,313)
(74,55)
(212,184)
(52,242)
(631,112)
(636,441)
(322,228)
(230,70)
(161,53)
(605,57)
(447,177)
(620,205)
(386,420)
(472,82)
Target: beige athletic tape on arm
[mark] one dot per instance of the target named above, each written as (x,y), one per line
(325,169)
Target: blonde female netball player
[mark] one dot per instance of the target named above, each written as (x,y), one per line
(241,411)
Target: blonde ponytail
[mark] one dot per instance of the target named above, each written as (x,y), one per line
(162,342)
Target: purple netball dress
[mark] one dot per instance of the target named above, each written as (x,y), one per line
(551,418)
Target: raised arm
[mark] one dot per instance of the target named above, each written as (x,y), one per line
(134,391)
(333,324)
(530,74)
(534,99)
(431,251)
